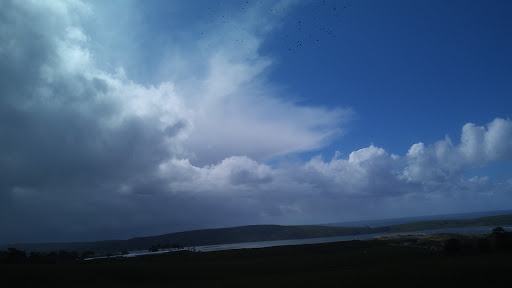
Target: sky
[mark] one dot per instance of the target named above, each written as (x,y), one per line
(121,119)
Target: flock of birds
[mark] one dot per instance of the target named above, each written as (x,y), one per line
(308,28)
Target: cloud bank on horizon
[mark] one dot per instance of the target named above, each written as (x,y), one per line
(93,150)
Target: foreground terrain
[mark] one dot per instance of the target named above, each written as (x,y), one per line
(355,263)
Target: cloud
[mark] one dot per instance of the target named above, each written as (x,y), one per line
(93,149)
(444,161)
(83,138)
(368,171)
(428,179)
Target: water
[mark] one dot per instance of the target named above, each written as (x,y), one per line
(264,244)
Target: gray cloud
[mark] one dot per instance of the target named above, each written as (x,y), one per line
(89,153)
(83,147)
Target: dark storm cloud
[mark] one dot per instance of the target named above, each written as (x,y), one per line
(89,154)
(82,149)
(59,153)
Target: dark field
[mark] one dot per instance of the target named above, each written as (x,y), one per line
(341,264)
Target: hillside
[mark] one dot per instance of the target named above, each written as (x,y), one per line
(240,234)
(255,233)
(500,220)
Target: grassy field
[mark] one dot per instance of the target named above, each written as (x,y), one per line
(341,264)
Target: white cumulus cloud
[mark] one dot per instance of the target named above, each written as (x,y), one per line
(90,150)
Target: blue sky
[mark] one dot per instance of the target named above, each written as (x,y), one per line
(399,63)
(132,118)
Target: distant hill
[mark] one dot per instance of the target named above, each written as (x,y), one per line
(500,220)
(255,233)
(395,221)
(240,234)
